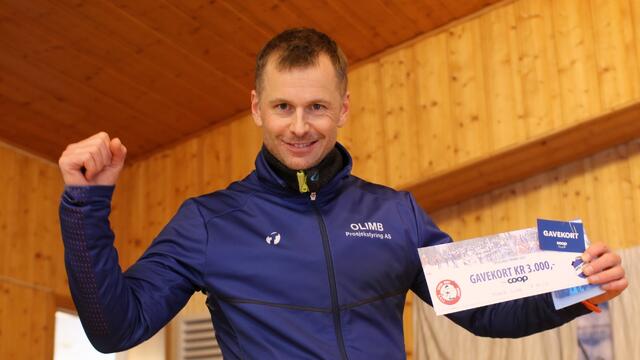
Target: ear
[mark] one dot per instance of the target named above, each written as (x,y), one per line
(255,108)
(344,111)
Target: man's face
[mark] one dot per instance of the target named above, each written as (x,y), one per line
(300,111)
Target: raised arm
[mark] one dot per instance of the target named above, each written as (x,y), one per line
(120,310)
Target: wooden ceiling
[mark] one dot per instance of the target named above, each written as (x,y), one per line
(153,72)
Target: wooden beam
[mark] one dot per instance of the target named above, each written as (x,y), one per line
(532,157)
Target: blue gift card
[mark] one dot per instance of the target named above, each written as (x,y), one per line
(561,235)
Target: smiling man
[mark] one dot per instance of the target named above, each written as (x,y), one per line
(300,259)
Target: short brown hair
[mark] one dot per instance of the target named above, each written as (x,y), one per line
(300,48)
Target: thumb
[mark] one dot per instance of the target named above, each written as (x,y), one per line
(118,152)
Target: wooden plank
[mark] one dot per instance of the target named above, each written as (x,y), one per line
(364,28)
(467,88)
(531,157)
(449,221)
(185,166)
(384,24)
(247,140)
(607,194)
(572,194)
(635,20)
(217,158)
(474,218)
(44,133)
(579,85)
(227,23)
(196,41)
(125,43)
(400,125)
(436,127)
(615,52)
(82,97)
(628,209)
(336,23)
(17,340)
(537,67)
(81,38)
(424,14)
(366,124)
(503,96)
(41,322)
(26,322)
(4,298)
(634,194)
(39,47)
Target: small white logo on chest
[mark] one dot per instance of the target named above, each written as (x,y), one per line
(273,238)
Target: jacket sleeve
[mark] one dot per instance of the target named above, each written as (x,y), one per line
(511,319)
(120,310)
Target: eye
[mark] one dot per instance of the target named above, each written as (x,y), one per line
(317,107)
(282,107)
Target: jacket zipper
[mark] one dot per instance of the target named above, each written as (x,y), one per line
(335,307)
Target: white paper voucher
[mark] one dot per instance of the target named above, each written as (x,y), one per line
(496,268)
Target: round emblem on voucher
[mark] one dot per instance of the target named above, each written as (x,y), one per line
(448,292)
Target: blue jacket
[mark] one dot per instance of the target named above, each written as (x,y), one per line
(287,275)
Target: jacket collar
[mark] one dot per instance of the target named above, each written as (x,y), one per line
(269,178)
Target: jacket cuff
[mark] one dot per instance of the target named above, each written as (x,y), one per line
(81,195)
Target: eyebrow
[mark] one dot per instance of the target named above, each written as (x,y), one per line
(312,101)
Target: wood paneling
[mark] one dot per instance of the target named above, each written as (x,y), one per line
(469,92)
(30,244)
(157,71)
(31,256)
(26,322)
(602,190)
(476,90)
(528,158)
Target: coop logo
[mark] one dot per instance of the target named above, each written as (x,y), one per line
(518,279)
(273,238)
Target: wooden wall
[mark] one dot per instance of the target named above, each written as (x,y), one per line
(603,190)
(521,70)
(518,71)
(32,275)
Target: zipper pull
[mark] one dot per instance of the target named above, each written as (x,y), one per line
(313,196)
(302,182)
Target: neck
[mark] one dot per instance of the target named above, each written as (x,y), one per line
(309,180)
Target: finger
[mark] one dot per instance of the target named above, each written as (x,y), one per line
(118,152)
(594,251)
(105,153)
(609,275)
(605,261)
(617,285)
(102,136)
(89,163)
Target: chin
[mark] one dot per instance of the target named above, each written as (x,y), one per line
(299,165)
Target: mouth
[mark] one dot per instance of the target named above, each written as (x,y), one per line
(300,146)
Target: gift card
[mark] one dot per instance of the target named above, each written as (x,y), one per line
(561,235)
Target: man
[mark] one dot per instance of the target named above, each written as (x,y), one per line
(298,260)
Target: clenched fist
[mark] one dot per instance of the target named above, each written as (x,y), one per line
(97,160)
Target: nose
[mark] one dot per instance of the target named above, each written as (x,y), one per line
(299,126)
